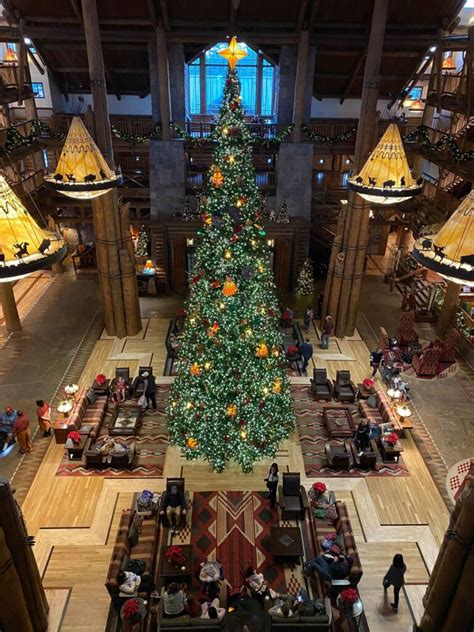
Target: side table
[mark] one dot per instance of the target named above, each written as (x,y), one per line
(75,452)
(62,429)
(101,389)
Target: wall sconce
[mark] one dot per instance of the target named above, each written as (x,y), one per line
(271,243)
(189,241)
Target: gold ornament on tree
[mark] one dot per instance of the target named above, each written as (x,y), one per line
(262,351)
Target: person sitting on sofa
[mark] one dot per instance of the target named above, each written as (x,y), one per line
(174,602)
(193,607)
(258,585)
(210,574)
(131,583)
(174,506)
(329,566)
(212,610)
(281,609)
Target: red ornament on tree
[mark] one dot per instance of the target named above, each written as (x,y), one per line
(233,106)
(215,284)
(196,278)
(261,404)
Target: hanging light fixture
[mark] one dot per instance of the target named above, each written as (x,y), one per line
(82,171)
(10,58)
(24,246)
(448,62)
(385,178)
(450,252)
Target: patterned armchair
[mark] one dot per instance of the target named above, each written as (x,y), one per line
(448,348)
(428,363)
(405,332)
(384,342)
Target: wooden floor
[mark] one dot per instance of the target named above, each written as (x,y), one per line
(75,519)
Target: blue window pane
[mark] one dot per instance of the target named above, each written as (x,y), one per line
(415,93)
(11,46)
(215,77)
(38,90)
(195,87)
(268,75)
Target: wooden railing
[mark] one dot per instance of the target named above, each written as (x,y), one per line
(265,181)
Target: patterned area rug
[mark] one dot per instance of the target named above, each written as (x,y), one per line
(150,444)
(234,528)
(313,438)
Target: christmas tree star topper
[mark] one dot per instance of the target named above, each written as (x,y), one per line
(233,53)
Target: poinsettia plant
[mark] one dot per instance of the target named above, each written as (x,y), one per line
(349,596)
(74,436)
(319,487)
(291,350)
(175,556)
(100,378)
(391,438)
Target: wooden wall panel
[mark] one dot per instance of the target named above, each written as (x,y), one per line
(178,264)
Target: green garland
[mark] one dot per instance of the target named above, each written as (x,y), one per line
(255,138)
(16,140)
(328,140)
(421,135)
(155,132)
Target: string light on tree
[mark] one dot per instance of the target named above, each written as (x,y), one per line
(283,217)
(305,281)
(234,308)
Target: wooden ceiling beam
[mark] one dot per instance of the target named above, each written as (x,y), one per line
(234,8)
(413,76)
(312,15)
(85,69)
(301,16)
(152,13)
(165,15)
(352,78)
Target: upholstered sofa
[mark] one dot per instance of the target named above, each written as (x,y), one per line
(383,414)
(144,549)
(85,417)
(343,526)
(187,623)
(317,622)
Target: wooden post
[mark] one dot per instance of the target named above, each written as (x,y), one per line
(300,85)
(450,578)
(14,613)
(163,82)
(449,307)
(10,311)
(356,225)
(406,238)
(11,521)
(32,115)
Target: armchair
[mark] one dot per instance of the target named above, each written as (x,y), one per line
(428,362)
(449,343)
(344,389)
(292,497)
(368,459)
(339,456)
(321,387)
(179,482)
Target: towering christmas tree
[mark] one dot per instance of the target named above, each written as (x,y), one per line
(231,397)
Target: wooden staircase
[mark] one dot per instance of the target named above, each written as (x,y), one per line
(423,290)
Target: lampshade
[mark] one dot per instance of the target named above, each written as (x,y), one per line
(385,178)
(10,57)
(24,246)
(417,105)
(82,171)
(448,62)
(450,252)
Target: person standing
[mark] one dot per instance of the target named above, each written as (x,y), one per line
(328,328)
(43,412)
(395,577)
(6,425)
(306,352)
(362,435)
(272,483)
(375,360)
(307,318)
(21,430)
(149,387)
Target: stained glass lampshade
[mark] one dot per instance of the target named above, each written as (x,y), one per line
(450,252)
(417,105)
(24,246)
(82,171)
(10,58)
(448,62)
(385,178)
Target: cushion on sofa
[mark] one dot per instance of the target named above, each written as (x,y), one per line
(176,622)
(197,622)
(315,618)
(296,618)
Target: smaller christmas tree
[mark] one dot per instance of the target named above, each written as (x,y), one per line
(187,215)
(283,215)
(141,249)
(305,283)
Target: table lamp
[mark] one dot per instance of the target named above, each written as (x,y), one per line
(394,393)
(65,407)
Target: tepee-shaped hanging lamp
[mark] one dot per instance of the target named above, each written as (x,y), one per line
(82,171)
(24,246)
(448,62)
(417,105)
(451,251)
(385,178)
(10,58)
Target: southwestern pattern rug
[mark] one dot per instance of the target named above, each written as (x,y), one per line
(313,438)
(150,445)
(234,528)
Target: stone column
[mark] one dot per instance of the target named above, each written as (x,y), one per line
(164,82)
(295,168)
(167,177)
(449,307)
(353,244)
(115,257)
(300,84)
(286,83)
(10,311)
(308,95)
(154,82)
(176,71)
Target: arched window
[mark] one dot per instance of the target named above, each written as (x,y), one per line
(207,73)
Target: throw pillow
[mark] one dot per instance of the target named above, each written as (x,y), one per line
(340,541)
(91,396)
(133,536)
(331,514)
(137,522)
(372,401)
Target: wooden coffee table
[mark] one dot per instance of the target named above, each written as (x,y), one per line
(286,543)
(125,420)
(339,421)
(168,573)
(389,452)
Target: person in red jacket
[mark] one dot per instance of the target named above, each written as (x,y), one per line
(21,431)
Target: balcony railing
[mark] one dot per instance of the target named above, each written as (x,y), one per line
(265,181)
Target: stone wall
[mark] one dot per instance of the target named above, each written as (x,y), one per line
(176,72)
(295,167)
(286,83)
(167,177)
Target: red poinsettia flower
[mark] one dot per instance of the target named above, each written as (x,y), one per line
(181,312)
(74,436)
(320,487)
(100,379)
(349,596)
(130,609)
(391,439)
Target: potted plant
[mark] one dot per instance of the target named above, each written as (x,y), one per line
(391,439)
(132,612)
(175,556)
(346,600)
(100,379)
(74,437)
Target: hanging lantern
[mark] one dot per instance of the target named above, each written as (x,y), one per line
(448,62)
(82,171)
(417,105)
(10,58)
(192,443)
(229,288)
(217,178)
(24,246)
(385,178)
(450,252)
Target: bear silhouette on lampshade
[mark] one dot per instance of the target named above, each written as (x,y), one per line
(24,246)
(386,178)
(450,252)
(82,171)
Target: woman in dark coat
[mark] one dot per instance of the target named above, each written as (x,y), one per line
(395,577)
(362,435)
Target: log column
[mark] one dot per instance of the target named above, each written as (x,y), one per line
(10,311)
(449,307)
(115,260)
(344,291)
(163,82)
(300,85)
